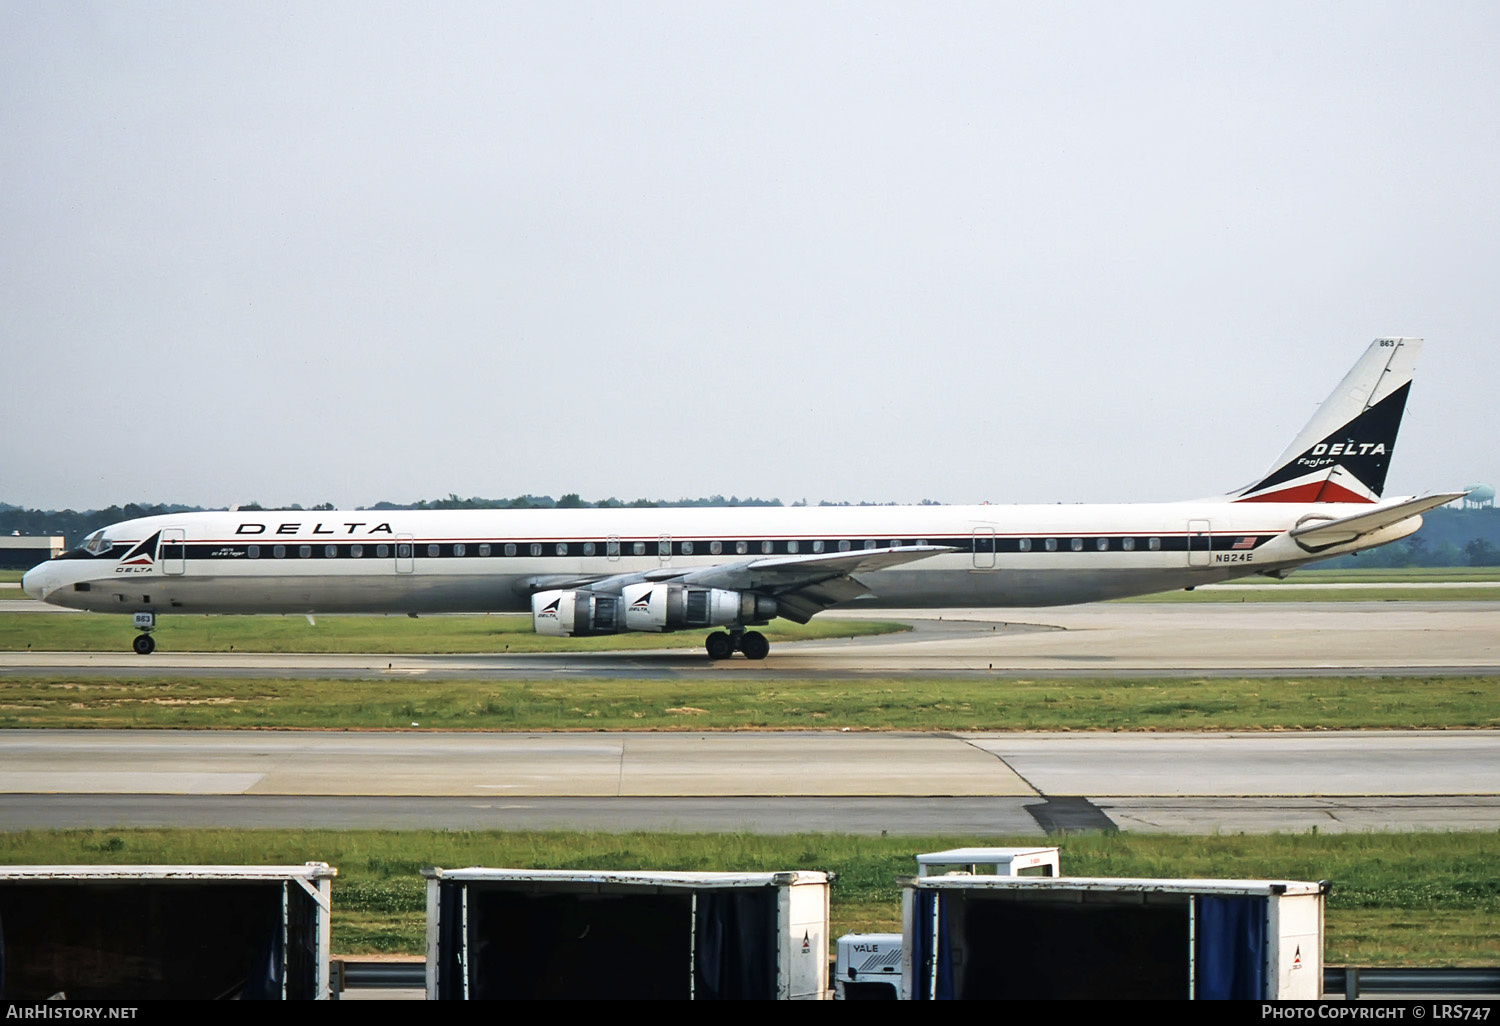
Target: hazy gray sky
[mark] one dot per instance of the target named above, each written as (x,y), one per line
(995,251)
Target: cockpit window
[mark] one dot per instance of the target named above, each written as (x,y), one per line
(95,543)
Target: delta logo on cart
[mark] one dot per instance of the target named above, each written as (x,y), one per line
(141,559)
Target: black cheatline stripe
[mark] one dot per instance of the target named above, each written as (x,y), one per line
(965,544)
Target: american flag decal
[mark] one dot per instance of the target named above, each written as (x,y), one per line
(1244,543)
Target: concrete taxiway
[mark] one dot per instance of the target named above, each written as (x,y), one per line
(1012,784)
(995,784)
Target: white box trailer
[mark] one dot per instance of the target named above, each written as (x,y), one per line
(991,862)
(146,933)
(985,937)
(533,934)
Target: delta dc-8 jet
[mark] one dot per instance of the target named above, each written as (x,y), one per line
(608,571)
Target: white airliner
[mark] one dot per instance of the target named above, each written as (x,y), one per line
(607,571)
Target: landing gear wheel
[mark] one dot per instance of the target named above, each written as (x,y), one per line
(719,646)
(755,645)
(143,644)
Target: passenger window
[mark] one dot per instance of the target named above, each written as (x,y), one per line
(382,551)
(818,545)
(459,549)
(433,551)
(1154,545)
(869,543)
(715,548)
(687,548)
(330,551)
(510,549)
(303,551)
(253,552)
(766,547)
(279,551)
(1102,544)
(588,548)
(1023,545)
(536,548)
(792,547)
(356,551)
(1128,544)
(1076,545)
(844,546)
(484,550)
(741,548)
(562,548)
(639,548)
(1050,545)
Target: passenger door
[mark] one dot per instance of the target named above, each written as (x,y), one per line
(984,548)
(171,554)
(1200,543)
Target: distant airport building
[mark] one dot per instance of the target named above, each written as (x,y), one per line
(22,552)
(1481,496)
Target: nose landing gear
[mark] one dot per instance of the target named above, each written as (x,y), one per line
(144,643)
(723,644)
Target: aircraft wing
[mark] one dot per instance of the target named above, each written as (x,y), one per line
(806,584)
(802,585)
(1346,529)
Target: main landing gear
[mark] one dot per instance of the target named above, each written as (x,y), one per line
(144,643)
(723,644)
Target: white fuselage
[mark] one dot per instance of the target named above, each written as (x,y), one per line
(493,560)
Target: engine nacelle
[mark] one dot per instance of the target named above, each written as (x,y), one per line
(562,614)
(668,607)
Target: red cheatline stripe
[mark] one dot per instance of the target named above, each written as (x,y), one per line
(1313,491)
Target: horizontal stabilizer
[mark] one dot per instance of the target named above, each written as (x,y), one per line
(1323,533)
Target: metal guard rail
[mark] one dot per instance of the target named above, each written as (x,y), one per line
(1349,981)
(1352,981)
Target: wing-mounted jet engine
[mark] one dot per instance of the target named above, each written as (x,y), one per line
(654,608)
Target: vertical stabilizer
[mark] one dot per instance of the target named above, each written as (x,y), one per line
(1343,453)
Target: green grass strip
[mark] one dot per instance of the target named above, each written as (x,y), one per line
(1391,575)
(1286,592)
(383,635)
(737,702)
(1397,899)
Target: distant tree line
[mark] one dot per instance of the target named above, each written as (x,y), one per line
(74,526)
(1449,537)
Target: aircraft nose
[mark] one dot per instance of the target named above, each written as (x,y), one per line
(34,581)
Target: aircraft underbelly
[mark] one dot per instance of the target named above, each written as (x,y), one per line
(906,588)
(297,594)
(1020,587)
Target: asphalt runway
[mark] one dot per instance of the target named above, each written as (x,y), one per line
(1116,639)
(981,784)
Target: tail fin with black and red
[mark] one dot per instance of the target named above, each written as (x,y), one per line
(1343,453)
